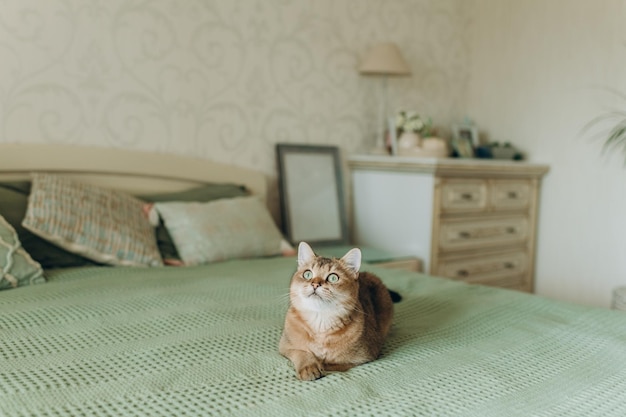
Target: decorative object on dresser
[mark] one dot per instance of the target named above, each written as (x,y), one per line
(464,139)
(470,220)
(410,126)
(411,135)
(384,60)
(495,150)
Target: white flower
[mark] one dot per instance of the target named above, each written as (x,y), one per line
(409,121)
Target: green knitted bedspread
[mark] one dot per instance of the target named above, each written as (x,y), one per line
(203,341)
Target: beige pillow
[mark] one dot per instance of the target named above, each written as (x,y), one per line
(103,225)
(220,230)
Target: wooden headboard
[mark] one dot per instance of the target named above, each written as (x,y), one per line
(131,171)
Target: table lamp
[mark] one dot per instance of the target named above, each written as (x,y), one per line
(383,59)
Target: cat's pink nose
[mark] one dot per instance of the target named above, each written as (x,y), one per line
(315,284)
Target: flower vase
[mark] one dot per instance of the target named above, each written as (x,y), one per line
(408,140)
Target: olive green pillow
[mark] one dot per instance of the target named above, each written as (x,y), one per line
(202,194)
(13,203)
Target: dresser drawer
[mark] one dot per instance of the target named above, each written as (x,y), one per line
(463,195)
(469,234)
(510,195)
(503,270)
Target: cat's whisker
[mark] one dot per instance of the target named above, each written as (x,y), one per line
(283,297)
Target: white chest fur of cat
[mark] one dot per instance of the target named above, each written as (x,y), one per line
(337,318)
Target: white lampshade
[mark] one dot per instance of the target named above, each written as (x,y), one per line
(384,59)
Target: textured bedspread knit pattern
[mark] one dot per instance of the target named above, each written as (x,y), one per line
(121,341)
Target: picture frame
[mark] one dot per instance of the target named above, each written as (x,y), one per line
(464,139)
(311,188)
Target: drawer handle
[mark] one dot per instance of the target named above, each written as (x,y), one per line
(509,265)
(512,194)
(462,273)
(511,230)
(465,235)
(467,196)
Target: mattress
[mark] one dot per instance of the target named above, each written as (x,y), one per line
(123,341)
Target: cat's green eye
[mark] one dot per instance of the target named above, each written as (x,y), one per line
(307,274)
(332,278)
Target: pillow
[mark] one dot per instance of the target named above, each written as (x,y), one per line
(220,230)
(203,194)
(208,192)
(17,268)
(103,225)
(13,202)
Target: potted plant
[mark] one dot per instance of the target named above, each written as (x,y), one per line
(615,136)
(410,128)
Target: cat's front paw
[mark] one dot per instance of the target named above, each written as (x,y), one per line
(310,372)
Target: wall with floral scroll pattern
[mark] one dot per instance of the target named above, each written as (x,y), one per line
(220,79)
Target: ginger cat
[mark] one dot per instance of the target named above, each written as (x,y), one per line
(338,317)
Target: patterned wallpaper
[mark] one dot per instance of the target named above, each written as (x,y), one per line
(220,79)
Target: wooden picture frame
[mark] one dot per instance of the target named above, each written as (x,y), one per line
(311,194)
(464,139)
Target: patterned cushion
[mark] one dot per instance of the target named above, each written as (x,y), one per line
(17,268)
(13,203)
(220,230)
(103,225)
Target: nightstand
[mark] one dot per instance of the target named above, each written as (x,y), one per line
(374,256)
(467,219)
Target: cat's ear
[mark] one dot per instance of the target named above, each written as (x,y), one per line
(305,254)
(352,260)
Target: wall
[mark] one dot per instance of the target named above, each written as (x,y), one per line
(219,79)
(540,71)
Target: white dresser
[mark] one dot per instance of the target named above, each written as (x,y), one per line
(466,219)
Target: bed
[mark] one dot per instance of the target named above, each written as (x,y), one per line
(97,340)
